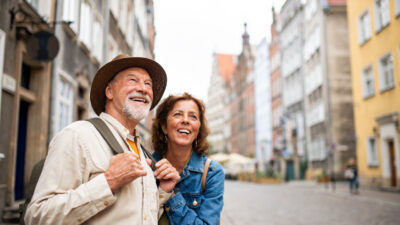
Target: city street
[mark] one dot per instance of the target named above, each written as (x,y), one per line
(306,203)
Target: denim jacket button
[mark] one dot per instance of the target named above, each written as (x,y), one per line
(194,202)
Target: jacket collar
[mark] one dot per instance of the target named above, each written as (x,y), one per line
(195,164)
(121,130)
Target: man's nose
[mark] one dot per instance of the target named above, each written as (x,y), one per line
(141,87)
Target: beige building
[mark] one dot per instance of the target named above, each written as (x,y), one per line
(217,109)
(328,90)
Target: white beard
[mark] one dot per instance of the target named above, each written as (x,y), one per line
(136,113)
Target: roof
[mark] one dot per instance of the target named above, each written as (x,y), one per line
(226,65)
(337,2)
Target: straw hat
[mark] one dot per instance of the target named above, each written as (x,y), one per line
(107,72)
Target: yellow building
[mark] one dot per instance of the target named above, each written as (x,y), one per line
(374,28)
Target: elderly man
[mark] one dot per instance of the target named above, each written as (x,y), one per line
(82,181)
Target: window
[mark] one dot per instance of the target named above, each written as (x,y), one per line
(364,27)
(86,24)
(397,8)
(382,14)
(70,13)
(368,82)
(310,9)
(386,78)
(42,7)
(98,40)
(372,152)
(65,104)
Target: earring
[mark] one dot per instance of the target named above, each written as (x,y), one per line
(165,138)
(195,143)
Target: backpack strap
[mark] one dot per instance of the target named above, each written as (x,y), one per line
(106,134)
(113,143)
(149,156)
(204,177)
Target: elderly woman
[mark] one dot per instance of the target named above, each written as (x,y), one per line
(179,134)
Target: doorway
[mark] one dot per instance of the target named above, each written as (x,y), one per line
(21,150)
(392,163)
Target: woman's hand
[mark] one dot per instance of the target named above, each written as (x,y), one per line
(166,174)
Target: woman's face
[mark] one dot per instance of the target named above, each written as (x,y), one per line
(183,123)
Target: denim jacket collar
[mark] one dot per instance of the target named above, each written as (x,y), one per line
(195,164)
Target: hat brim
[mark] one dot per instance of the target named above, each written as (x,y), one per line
(106,73)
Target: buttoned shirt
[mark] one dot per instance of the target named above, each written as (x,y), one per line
(72,188)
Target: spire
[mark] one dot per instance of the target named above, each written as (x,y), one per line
(245,36)
(273,15)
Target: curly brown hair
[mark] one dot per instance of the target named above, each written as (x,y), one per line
(157,135)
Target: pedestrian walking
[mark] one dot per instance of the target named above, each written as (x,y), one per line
(351,174)
(179,134)
(82,181)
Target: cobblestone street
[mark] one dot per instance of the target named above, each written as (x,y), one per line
(306,203)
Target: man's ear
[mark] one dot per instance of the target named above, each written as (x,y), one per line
(109,93)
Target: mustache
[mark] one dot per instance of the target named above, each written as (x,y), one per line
(140,95)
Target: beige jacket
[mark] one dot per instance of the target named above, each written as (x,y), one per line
(72,188)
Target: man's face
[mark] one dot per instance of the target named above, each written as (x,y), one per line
(130,93)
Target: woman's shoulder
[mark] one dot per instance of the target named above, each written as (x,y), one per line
(214,165)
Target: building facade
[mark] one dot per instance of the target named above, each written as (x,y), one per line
(374,27)
(328,89)
(25,94)
(242,102)
(291,40)
(262,102)
(44,91)
(218,111)
(276,92)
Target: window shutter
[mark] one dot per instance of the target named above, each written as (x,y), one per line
(363,83)
(377,12)
(360,32)
(367,25)
(381,75)
(397,7)
(385,12)
(368,148)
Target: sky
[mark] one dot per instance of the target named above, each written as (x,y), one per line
(188,32)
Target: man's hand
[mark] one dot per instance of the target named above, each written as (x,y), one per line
(123,168)
(166,174)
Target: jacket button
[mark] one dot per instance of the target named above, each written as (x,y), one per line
(195,202)
(167,209)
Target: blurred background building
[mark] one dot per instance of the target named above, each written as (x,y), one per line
(217,108)
(328,91)
(262,107)
(49,54)
(374,27)
(291,44)
(242,101)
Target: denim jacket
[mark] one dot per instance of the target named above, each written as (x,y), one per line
(190,205)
